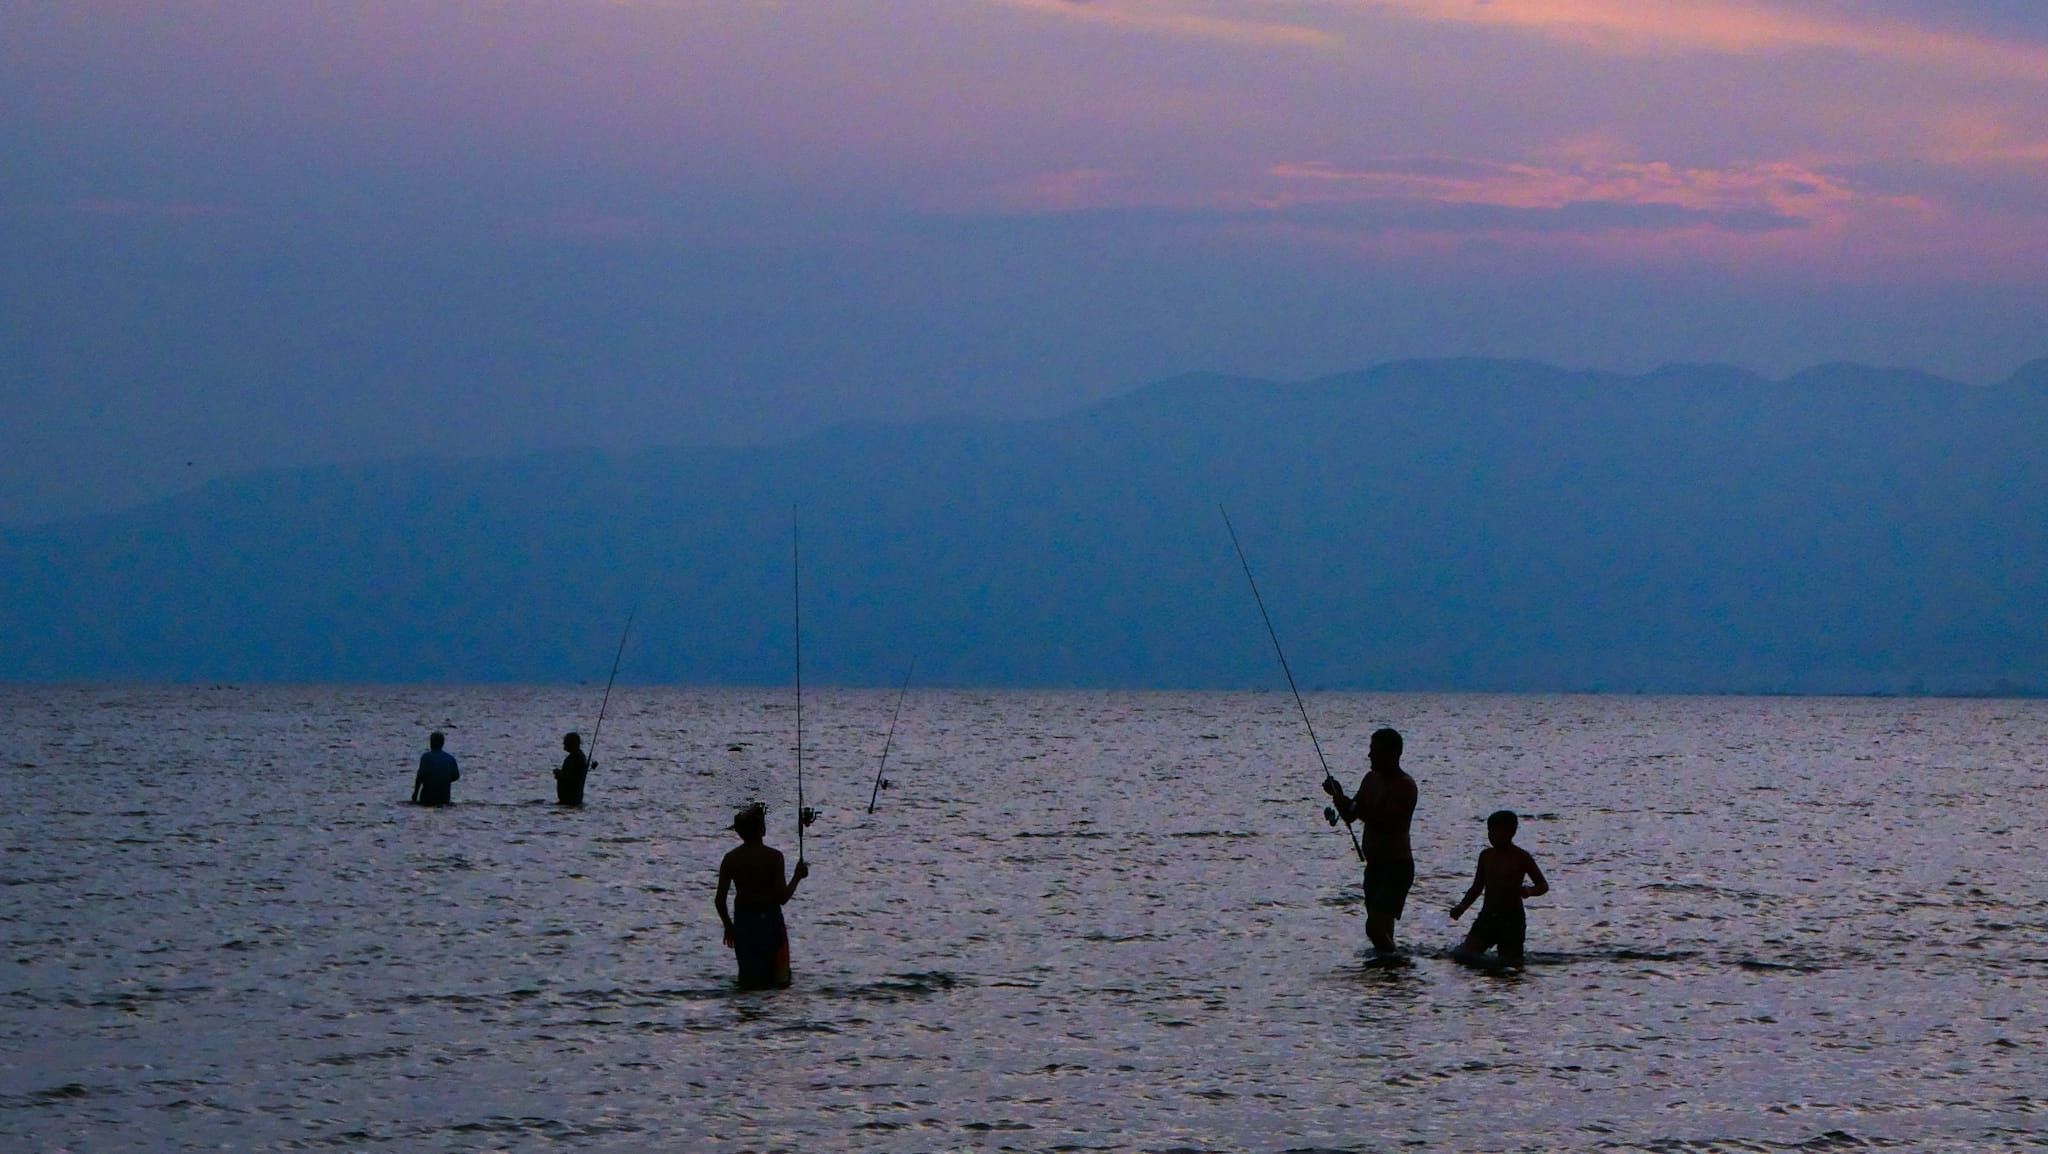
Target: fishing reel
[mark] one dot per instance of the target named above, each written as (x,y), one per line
(1330,815)
(808,816)
(886,783)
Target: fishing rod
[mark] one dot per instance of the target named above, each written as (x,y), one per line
(1328,813)
(804,815)
(882,783)
(590,757)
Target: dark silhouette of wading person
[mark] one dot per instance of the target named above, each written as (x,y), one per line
(752,873)
(1383,807)
(1501,923)
(438,771)
(575,767)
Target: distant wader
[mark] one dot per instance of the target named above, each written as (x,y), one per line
(569,779)
(438,774)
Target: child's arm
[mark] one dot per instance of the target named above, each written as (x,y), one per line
(1478,887)
(1539,886)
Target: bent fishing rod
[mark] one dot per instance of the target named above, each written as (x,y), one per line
(882,783)
(1331,814)
(590,757)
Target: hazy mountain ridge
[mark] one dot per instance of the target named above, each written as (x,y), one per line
(1426,524)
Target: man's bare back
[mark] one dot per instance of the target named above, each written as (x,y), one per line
(1500,873)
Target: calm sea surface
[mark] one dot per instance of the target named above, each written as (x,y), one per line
(1079,921)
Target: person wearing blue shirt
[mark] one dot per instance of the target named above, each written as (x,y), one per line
(437,772)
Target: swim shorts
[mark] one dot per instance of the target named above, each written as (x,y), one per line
(1386,886)
(1504,928)
(761,945)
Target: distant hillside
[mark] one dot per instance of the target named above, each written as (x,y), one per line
(1448,524)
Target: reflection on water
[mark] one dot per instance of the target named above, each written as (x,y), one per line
(1078,921)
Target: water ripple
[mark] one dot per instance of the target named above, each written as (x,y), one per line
(1083,921)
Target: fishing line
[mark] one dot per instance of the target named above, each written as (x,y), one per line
(590,758)
(1275,635)
(882,783)
(804,816)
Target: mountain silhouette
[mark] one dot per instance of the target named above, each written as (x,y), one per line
(1462,524)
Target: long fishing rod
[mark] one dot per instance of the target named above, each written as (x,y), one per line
(882,783)
(796,579)
(590,758)
(1356,847)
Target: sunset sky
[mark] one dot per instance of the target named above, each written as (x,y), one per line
(246,235)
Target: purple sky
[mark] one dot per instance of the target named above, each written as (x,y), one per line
(252,234)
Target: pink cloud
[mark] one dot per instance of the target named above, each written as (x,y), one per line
(1977,137)
(1737,27)
(1782,189)
(1798,195)
(1864,238)
(1731,26)
(1773,216)
(1580,206)
(1166,17)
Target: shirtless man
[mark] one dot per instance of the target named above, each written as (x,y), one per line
(1384,806)
(752,873)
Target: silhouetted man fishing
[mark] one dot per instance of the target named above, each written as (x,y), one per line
(752,872)
(438,772)
(569,778)
(1384,806)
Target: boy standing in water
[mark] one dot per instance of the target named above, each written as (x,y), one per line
(753,928)
(1502,866)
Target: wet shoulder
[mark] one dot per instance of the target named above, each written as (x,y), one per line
(753,857)
(1400,793)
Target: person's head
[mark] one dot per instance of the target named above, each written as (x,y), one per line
(751,823)
(572,741)
(1500,827)
(1385,750)
(436,739)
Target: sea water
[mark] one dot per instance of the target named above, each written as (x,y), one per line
(1077,921)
